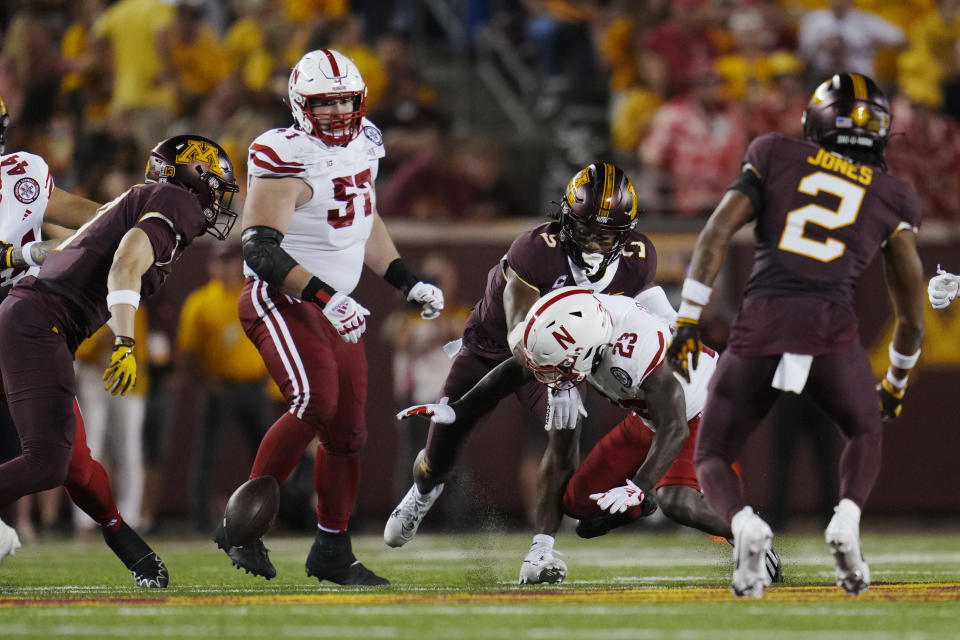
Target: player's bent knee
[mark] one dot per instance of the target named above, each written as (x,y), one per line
(48,463)
(677,501)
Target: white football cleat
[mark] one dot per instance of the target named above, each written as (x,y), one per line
(403,523)
(542,566)
(9,541)
(752,540)
(843,537)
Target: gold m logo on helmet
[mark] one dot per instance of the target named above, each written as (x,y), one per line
(199,151)
(576,182)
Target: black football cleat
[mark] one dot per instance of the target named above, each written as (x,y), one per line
(774,566)
(145,566)
(331,558)
(252,558)
(596,526)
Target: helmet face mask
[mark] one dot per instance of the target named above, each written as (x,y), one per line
(564,335)
(849,114)
(203,168)
(597,215)
(328,97)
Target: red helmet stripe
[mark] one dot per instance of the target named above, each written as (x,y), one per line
(333,63)
(547,305)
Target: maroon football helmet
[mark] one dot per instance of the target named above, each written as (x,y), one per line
(203,168)
(599,208)
(850,115)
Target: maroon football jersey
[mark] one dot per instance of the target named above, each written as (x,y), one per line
(537,258)
(76,271)
(821,220)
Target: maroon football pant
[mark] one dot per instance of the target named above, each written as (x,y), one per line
(37,369)
(741,396)
(616,457)
(324,382)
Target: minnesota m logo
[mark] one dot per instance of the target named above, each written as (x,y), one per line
(197,150)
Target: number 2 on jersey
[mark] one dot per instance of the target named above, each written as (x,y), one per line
(851,197)
(362,183)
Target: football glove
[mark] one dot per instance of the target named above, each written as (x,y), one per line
(683,354)
(347,317)
(564,409)
(6,254)
(942,289)
(427,296)
(891,400)
(121,375)
(619,499)
(441,412)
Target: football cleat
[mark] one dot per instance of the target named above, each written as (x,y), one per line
(331,558)
(751,542)
(403,523)
(252,558)
(542,566)
(603,523)
(145,566)
(843,537)
(774,566)
(9,540)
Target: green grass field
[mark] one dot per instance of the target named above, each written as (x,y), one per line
(462,587)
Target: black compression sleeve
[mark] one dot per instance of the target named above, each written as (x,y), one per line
(749,184)
(400,276)
(262,253)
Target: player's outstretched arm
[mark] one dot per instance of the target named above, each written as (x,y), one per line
(734,211)
(904,274)
(668,411)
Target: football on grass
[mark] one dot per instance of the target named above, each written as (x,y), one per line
(251,510)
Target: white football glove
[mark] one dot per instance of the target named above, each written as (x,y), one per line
(427,296)
(619,499)
(564,409)
(943,288)
(347,317)
(441,412)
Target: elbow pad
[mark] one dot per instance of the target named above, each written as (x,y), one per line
(262,253)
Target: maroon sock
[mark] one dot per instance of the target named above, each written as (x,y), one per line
(336,478)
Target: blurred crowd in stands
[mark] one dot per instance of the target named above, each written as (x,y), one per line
(92,85)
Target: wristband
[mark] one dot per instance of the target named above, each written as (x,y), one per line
(689,311)
(901,361)
(123,341)
(124,296)
(695,292)
(318,292)
(898,383)
(400,276)
(28,255)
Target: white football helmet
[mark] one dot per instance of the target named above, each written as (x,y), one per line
(563,334)
(326,74)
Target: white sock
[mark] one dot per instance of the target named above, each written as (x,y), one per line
(848,510)
(543,540)
(739,517)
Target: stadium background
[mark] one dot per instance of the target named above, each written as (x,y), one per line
(536,89)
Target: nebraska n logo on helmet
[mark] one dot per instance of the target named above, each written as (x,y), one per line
(597,215)
(564,332)
(848,114)
(327,75)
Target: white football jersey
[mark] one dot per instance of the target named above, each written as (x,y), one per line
(25,188)
(328,234)
(639,346)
